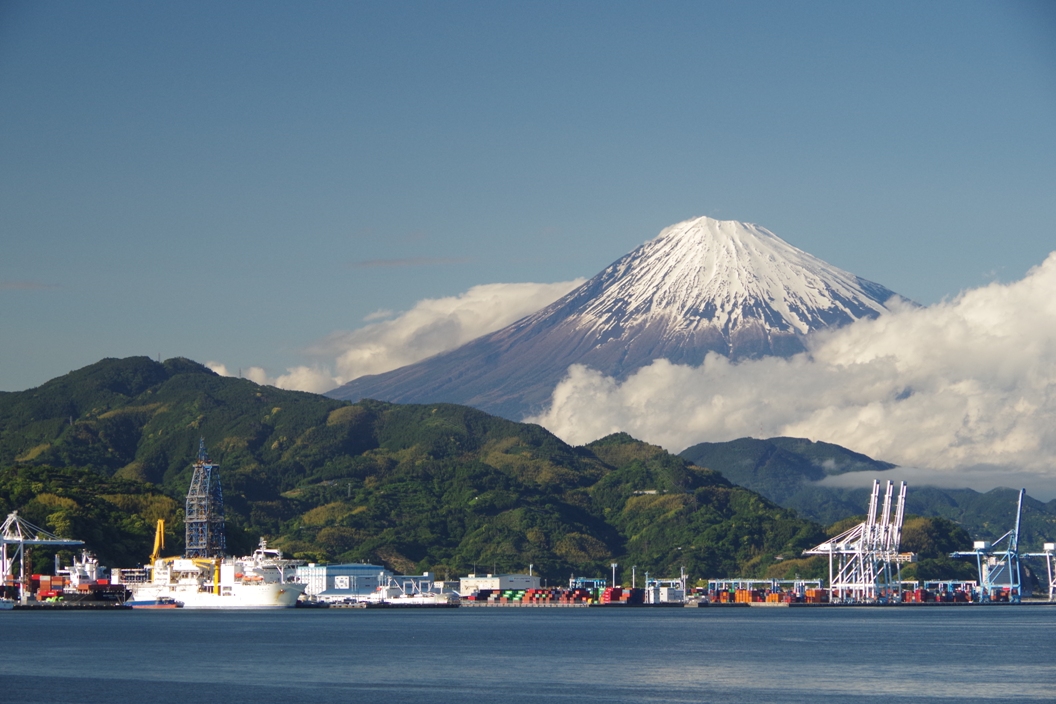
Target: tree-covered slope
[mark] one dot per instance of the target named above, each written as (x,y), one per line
(780,468)
(788,471)
(438,487)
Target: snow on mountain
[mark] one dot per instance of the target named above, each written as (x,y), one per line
(700,286)
(706,275)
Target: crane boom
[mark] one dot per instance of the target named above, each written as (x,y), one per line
(159,541)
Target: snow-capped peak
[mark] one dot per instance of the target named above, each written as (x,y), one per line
(700,287)
(722,273)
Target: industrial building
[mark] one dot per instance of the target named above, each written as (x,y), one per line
(329,582)
(357,581)
(499,582)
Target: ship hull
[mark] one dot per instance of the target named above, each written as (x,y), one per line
(163,603)
(240,596)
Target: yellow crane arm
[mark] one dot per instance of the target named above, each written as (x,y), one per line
(159,541)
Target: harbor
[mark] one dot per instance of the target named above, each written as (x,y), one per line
(865,564)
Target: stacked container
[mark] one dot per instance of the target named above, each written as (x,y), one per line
(816,596)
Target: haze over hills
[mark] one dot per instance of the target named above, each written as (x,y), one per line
(700,286)
(791,473)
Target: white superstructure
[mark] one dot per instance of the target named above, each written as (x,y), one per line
(263,580)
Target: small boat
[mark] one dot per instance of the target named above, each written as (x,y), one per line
(6,604)
(162,602)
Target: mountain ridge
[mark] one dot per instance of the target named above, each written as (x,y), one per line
(104,452)
(701,286)
(788,471)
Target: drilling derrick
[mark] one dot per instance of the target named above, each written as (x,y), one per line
(205,509)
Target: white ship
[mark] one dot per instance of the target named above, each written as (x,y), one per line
(201,579)
(263,580)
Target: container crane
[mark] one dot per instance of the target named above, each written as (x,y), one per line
(999,573)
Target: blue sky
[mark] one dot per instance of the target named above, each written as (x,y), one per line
(237,181)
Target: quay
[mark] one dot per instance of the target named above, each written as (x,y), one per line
(71,606)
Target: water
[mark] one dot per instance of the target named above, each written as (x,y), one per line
(970,654)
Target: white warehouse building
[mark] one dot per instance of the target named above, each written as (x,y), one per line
(357,581)
(342,581)
(502,582)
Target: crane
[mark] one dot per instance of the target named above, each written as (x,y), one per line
(159,541)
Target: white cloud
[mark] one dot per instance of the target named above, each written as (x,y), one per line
(980,477)
(258,376)
(301,378)
(380,314)
(965,386)
(219,368)
(431,326)
(435,325)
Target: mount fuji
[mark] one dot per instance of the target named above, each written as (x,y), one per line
(700,286)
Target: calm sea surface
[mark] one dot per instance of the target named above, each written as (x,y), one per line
(478,655)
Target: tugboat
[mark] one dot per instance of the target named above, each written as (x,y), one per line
(162,602)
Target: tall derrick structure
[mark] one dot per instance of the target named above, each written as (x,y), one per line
(861,559)
(205,510)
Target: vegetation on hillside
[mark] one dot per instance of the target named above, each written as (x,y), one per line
(101,453)
(788,471)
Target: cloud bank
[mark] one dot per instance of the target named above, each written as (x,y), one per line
(22,285)
(967,386)
(409,261)
(431,326)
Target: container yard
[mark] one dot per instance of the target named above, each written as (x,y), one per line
(557,597)
(552,597)
(864,565)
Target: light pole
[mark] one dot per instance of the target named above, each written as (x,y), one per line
(614,574)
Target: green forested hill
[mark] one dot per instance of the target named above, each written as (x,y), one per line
(102,452)
(787,471)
